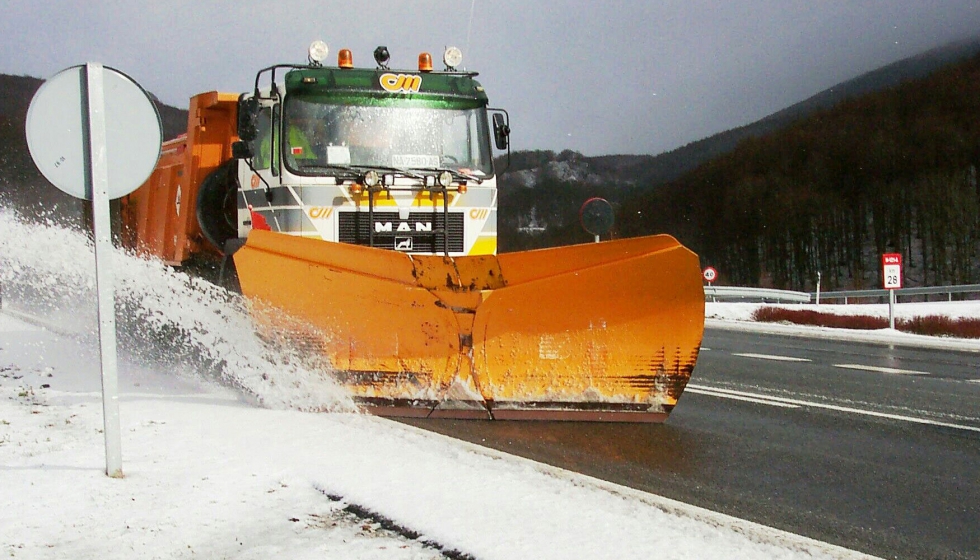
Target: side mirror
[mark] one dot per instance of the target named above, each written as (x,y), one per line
(248,116)
(240,150)
(501,131)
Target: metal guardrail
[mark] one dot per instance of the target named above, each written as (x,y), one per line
(728,293)
(882,293)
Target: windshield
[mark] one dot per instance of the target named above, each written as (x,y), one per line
(319,134)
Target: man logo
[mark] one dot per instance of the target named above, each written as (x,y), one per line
(401,83)
(383,227)
(403,243)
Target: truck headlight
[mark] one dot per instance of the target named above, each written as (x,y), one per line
(371,179)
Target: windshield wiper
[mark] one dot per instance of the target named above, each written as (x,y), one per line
(415,173)
(399,170)
(331,167)
(423,172)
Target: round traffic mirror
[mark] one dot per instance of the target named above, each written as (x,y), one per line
(58,135)
(597,216)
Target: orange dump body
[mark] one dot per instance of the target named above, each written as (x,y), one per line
(160,218)
(599,332)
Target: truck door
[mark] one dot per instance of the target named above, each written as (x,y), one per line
(262,173)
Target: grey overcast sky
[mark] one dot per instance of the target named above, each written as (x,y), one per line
(614,77)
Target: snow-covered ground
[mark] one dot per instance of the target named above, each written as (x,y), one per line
(952,309)
(738,316)
(232,450)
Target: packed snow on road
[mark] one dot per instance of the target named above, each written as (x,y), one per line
(235,447)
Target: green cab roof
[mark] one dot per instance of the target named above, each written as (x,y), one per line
(380,85)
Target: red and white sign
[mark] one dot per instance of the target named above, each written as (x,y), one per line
(891,266)
(710,274)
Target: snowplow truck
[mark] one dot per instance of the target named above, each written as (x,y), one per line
(362,203)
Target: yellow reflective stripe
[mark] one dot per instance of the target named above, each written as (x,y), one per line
(484,245)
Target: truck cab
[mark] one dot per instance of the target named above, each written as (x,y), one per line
(394,159)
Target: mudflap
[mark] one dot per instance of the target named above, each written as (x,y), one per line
(597,332)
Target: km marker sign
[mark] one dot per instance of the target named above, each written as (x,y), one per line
(891,275)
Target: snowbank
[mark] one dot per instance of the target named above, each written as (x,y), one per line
(738,316)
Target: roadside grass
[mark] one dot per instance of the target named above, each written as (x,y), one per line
(932,325)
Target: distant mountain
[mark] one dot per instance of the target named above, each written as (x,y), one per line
(912,68)
(16,93)
(615,176)
(650,170)
(671,165)
(893,171)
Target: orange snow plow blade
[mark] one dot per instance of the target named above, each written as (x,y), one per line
(598,332)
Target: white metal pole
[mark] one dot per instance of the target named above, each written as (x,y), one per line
(99,183)
(891,309)
(818,288)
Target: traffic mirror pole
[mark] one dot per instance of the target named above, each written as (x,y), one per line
(73,141)
(98,178)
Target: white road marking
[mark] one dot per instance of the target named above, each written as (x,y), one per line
(771,357)
(973,380)
(881,369)
(725,395)
(716,392)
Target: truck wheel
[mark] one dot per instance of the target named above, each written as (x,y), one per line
(217,204)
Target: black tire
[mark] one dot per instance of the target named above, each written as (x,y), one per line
(217,204)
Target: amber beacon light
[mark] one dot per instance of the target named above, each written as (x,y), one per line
(425,62)
(345,59)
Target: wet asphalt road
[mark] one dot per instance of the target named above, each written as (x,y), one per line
(869,447)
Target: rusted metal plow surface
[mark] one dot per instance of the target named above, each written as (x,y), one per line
(598,332)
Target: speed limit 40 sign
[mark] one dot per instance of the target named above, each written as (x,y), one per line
(891,267)
(710,274)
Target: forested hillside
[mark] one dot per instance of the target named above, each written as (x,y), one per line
(892,171)
(21,185)
(541,191)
